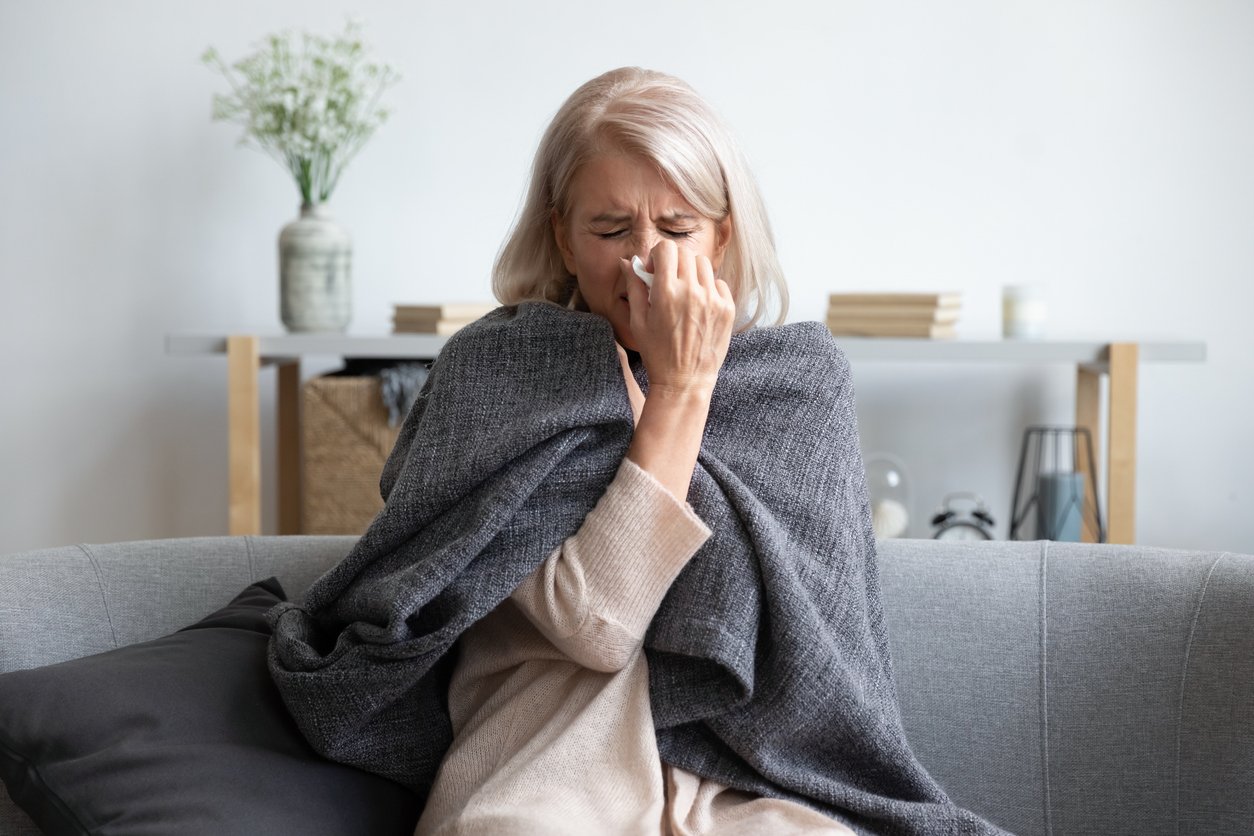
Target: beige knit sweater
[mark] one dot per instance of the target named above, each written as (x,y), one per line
(550,695)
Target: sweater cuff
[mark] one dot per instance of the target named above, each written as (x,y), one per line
(633,545)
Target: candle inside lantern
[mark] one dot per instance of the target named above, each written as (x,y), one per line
(1060,499)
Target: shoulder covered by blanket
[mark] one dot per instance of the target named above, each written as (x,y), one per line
(768,660)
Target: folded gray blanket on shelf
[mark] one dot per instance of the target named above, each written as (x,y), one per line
(400,381)
(399,386)
(768,659)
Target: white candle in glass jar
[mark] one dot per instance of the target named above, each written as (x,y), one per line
(1023,312)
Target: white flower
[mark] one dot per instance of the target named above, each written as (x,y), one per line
(311,108)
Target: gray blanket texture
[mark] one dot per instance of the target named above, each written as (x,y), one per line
(768,659)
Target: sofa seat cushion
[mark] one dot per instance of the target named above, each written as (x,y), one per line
(185,734)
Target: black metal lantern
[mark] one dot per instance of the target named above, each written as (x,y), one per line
(1055,496)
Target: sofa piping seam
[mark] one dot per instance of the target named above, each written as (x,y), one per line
(252,568)
(104,599)
(1044,699)
(1184,677)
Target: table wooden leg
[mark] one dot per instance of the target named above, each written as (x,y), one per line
(1088,406)
(289,447)
(243,436)
(1121,473)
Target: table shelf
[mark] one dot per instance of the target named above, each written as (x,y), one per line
(1095,362)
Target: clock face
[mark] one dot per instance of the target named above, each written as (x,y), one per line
(962,531)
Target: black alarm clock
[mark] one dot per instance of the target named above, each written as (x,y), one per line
(963,516)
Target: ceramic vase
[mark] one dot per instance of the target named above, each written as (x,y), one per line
(315,272)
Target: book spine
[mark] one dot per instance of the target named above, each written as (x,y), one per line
(892,313)
(424,321)
(864,330)
(449,311)
(942,300)
(442,328)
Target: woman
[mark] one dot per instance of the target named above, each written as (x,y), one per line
(553,683)
(624,579)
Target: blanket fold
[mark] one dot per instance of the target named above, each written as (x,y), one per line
(768,659)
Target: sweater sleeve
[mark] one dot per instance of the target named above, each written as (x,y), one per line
(595,595)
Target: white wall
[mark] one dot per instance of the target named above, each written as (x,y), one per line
(1105,149)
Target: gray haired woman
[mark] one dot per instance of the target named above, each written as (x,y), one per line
(624,581)
(550,699)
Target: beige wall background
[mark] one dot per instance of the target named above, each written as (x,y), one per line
(1103,149)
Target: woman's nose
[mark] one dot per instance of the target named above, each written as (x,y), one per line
(643,243)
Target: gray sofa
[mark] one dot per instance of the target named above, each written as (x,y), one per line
(1054,688)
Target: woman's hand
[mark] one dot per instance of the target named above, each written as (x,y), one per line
(682,327)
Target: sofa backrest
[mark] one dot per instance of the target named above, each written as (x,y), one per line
(63,603)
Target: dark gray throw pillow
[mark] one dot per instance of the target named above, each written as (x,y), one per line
(185,734)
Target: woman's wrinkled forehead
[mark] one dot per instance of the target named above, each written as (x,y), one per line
(677,203)
(616,186)
(598,143)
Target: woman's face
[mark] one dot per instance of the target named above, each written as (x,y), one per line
(622,206)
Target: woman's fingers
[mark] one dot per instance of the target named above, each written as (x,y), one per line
(674,268)
(682,327)
(687,270)
(705,274)
(665,258)
(637,303)
(724,290)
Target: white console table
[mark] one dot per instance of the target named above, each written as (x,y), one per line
(1116,362)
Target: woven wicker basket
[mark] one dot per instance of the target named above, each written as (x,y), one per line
(345,440)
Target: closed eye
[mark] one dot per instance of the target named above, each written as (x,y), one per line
(677,233)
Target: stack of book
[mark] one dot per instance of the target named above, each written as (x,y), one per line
(928,315)
(437,319)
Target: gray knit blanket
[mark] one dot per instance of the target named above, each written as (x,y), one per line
(768,659)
